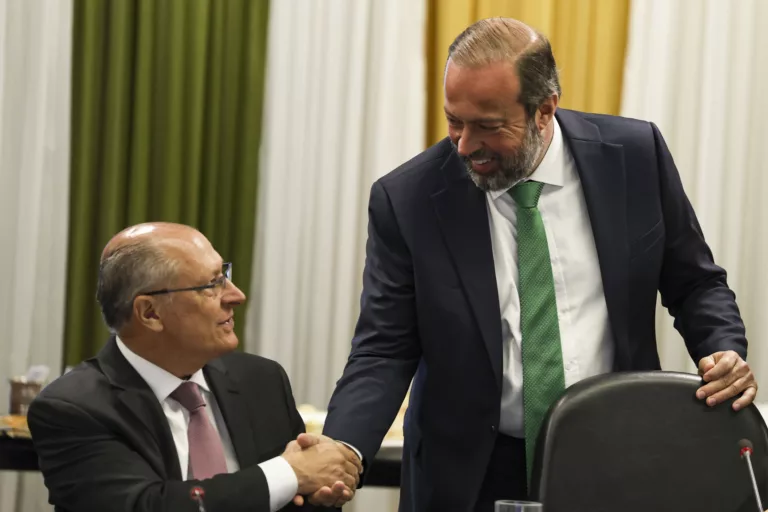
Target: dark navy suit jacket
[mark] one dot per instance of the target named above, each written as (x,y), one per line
(430,306)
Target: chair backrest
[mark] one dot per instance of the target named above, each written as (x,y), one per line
(642,442)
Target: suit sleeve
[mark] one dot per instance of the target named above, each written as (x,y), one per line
(86,468)
(385,348)
(693,288)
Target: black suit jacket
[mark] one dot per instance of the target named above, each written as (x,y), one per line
(104,443)
(430,303)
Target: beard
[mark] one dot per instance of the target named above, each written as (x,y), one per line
(511,168)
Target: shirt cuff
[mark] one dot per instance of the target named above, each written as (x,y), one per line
(357,452)
(281,481)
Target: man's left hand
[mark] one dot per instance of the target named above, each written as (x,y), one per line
(726,375)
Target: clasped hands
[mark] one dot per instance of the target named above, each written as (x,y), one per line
(328,471)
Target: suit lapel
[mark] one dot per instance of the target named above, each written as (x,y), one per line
(144,405)
(463,218)
(141,403)
(235,411)
(601,170)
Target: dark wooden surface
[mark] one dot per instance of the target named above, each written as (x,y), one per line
(17,454)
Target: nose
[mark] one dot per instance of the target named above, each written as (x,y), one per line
(232,294)
(467,144)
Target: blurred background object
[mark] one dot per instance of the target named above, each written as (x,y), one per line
(25,388)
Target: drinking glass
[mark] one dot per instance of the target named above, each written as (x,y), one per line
(518,506)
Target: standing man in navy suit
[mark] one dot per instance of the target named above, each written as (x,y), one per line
(519,255)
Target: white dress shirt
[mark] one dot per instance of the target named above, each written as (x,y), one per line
(281,479)
(585,333)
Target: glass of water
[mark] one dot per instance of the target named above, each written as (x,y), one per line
(518,506)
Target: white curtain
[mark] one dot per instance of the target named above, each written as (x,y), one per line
(697,68)
(345,104)
(35,75)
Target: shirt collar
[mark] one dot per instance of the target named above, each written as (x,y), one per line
(551,170)
(161,382)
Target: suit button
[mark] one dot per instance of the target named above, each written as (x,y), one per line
(493,428)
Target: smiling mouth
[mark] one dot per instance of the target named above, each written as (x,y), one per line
(481,165)
(230,321)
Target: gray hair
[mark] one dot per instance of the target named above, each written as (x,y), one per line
(130,270)
(505,39)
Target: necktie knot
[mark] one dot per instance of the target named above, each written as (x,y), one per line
(527,193)
(189,396)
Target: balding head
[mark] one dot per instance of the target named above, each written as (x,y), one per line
(156,233)
(139,259)
(495,40)
(168,294)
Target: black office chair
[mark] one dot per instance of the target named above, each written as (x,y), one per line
(642,442)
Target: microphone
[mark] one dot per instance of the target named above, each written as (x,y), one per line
(746,450)
(197,493)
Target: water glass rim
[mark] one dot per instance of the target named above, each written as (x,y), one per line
(517,505)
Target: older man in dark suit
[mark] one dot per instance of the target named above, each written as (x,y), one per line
(167,405)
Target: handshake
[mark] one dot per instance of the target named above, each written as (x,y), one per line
(328,471)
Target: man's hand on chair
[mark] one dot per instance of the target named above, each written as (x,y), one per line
(726,375)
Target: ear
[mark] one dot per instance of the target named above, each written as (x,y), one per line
(546,112)
(147,314)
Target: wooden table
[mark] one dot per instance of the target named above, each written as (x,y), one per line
(17,454)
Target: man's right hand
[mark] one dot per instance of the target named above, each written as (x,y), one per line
(319,462)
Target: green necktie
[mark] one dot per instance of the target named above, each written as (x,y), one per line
(543,376)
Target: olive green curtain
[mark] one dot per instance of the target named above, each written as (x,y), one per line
(166,120)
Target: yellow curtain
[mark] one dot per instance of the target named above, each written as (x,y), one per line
(588,38)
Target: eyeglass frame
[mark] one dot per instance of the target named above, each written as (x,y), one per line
(226,269)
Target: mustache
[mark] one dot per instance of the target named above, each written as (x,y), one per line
(480,154)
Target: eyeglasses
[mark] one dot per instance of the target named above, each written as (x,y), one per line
(219,283)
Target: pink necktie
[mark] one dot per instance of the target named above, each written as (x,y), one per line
(206,453)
